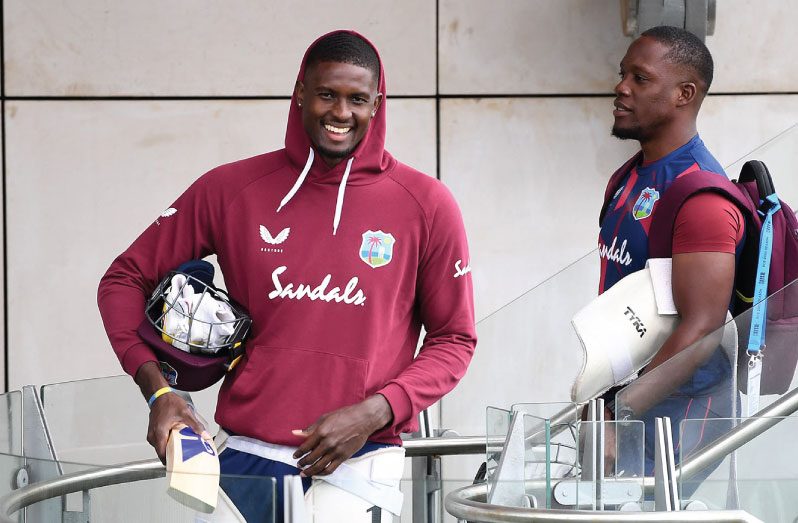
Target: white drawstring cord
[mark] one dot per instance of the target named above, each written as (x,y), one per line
(339,203)
(299,181)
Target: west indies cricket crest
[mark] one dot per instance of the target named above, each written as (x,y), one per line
(377,248)
(645,203)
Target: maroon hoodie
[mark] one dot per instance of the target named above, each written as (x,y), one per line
(336,311)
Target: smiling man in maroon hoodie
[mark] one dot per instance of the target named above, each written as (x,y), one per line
(340,253)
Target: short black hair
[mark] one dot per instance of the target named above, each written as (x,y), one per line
(345,48)
(685,49)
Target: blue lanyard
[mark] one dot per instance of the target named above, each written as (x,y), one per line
(756,338)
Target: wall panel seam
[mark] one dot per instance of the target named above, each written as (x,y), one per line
(437,97)
(3,199)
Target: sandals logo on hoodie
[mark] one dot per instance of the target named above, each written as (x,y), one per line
(377,248)
(645,203)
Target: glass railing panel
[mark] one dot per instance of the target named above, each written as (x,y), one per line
(779,357)
(707,380)
(529,346)
(518,449)
(563,419)
(40,470)
(700,381)
(11,423)
(497,429)
(99,421)
(554,457)
(761,477)
(149,501)
(613,478)
(12,469)
(104,420)
(547,461)
(137,497)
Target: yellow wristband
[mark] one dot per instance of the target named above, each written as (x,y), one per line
(158,393)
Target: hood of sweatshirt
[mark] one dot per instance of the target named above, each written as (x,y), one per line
(364,165)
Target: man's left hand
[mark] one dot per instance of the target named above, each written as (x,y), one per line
(337,435)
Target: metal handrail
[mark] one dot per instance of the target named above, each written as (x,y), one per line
(740,435)
(463,500)
(457,446)
(77,482)
(153,469)
(468,503)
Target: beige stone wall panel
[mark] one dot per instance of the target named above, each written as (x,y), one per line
(201,47)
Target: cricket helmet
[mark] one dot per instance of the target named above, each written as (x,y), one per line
(195,329)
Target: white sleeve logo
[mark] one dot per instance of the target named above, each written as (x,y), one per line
(166,214)
(274,240)
(461,271)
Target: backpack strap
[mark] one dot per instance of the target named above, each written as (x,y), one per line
(756,181)
(756,171)
(660,236)
(616,180)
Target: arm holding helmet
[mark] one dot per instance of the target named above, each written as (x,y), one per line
(182,232)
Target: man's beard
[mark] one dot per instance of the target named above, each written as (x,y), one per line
(338,155)
(635,133)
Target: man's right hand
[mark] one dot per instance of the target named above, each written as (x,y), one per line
(168,411)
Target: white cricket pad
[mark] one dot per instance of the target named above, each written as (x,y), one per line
(348,498)
(620,332)
(365,488)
